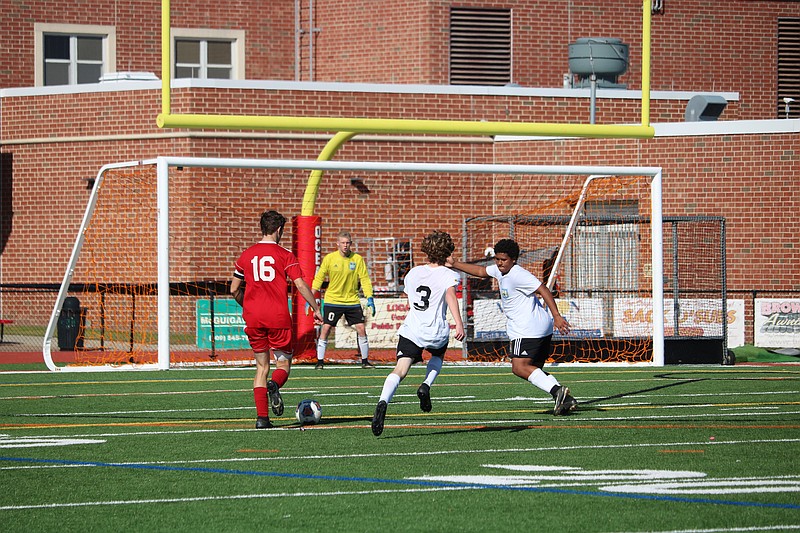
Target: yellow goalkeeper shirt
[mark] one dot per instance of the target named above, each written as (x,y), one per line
(344,275)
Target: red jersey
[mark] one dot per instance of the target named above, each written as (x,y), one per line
(265,267)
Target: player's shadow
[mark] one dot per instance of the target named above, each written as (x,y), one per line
(478,429)
(635,392)
(333,420)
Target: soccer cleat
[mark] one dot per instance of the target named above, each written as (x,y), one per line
(570,404)
(378,418)
(275,399)
(564,403)
(263,423)
(366,364)
(320,365)
(424,395)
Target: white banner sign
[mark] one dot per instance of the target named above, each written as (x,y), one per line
(585,315)
(777,322)
(382,328)
(633,317)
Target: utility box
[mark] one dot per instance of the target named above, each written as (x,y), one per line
(71,324)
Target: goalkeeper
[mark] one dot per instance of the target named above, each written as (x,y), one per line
(344,269)
(529,325)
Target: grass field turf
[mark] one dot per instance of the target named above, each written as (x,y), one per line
(670,449)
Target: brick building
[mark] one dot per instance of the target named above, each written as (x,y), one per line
(391,59)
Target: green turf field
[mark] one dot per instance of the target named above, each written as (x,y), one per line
(679,448)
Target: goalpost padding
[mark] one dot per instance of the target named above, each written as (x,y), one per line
(163,164)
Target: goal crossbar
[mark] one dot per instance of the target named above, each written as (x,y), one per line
(164,163)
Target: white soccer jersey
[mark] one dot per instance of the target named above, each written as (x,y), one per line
(426,322)
(526,317)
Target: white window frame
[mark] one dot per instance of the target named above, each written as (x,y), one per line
(235,37)
(107,33)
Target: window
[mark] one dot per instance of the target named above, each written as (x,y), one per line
(71,54)
(788,67)
(480,46)
(208,54)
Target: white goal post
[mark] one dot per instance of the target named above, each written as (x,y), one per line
(164,163)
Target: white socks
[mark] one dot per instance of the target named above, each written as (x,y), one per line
(433,369)
(322,345)
(389,387)
(363,347)
(546,382)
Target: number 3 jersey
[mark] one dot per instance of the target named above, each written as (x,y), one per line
(426,322)
(265,267)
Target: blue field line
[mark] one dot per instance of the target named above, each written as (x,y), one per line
(420,483)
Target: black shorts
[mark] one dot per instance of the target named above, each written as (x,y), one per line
(353,314)
(536,349)
(406,348)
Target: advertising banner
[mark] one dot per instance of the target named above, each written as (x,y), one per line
(633,317)
(585,315)
(228,325)
(777,323)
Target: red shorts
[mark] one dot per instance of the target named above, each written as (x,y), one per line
(262,339)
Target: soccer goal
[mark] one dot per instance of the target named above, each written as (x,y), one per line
(147,303)
(593,242)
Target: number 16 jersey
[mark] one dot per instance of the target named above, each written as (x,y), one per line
(426,322)
(265,267)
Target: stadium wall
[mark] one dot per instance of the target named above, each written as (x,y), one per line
(697,46)
(54,141)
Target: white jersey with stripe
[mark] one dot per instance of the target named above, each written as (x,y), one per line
(526,317)
(426,323)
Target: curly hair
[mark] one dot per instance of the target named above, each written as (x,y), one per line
(507,246)
(438,246)
(271,221)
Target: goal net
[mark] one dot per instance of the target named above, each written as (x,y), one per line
(142,293)
(590,241)
(109,310)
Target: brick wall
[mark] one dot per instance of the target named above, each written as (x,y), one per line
(697,45)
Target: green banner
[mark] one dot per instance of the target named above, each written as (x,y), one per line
(228,325)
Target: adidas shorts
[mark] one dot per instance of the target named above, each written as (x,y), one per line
(536,349)
(353,314)
(406,348)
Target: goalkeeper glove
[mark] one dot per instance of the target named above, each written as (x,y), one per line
(371,304)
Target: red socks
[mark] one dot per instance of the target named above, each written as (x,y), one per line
(279,376)
(262,405)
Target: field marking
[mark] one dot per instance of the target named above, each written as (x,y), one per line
(563,422)
(412,482)
(374,392)
(232,497)
(336,457)
(787,527)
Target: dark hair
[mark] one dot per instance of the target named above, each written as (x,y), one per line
(271,221)
(507,246)
(438,246)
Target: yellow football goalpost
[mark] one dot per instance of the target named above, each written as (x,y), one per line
(349,127)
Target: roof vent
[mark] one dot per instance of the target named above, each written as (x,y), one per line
(705,107)
(605,57)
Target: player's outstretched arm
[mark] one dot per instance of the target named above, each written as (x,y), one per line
(473,270)
(452,303)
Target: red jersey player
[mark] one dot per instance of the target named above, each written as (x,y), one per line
(264,268)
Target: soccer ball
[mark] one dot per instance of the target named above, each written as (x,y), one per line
(308,412)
